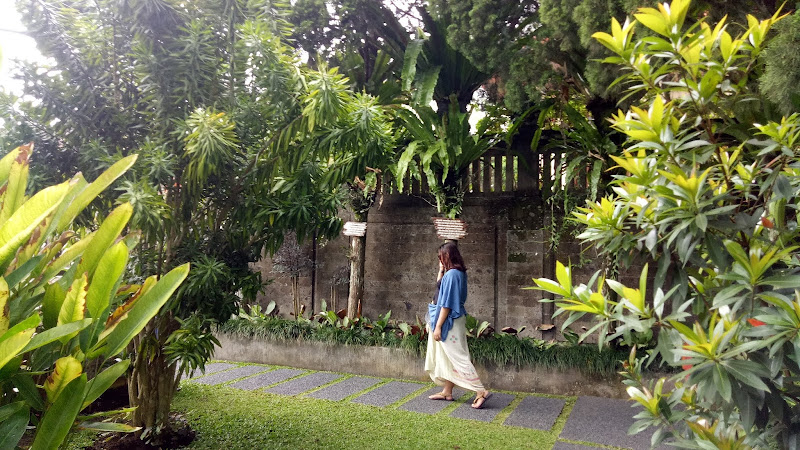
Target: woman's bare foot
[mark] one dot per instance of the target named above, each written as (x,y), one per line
(480,399)
(448,396)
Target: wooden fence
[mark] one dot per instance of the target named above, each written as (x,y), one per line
(503,171)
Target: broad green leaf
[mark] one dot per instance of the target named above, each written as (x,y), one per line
(108,232)
(402,164)
(74,306)
(653,20)
(115,412)
(684,330)
(14,193)
(144,310)
(4,309)
(8,160)
(413,50)
(18,228)
(108,272)
(103,381)
(28,390)
(551,286)
(60,417)
(701,221)
(13,420)
(32,321)
(748,406)
(66,369)
(728,295)
(83,199)
(738,253)
(782,281)
(121,313)
(53,334)
(52,301)
(722,382)
(643,284)
(109,426)
(69,255)
(22,271)
(747,372)
(76,185)
(617,287)
(564,276)
(427,83)
(13,345)
(33,245)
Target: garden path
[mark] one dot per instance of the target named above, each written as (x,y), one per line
(591,422)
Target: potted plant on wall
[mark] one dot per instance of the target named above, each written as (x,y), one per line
(441,150)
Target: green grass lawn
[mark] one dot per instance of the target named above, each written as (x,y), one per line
(226,418)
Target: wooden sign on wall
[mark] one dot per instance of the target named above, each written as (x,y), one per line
(355,229)
(450,229)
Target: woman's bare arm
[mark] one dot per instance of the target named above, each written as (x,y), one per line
(437,332)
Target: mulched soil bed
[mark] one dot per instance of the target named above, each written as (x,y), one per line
(180,436)
(116,397)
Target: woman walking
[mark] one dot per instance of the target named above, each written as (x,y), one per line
(447,359)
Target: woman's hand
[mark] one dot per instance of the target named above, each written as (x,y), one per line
(437,334)
(441,271)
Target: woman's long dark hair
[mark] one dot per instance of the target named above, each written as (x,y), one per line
(451,257)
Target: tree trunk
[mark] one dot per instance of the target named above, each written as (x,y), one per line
(358,255)
(296,296)
(153,382)
(313,271)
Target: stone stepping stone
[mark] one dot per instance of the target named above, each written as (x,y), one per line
(345,388)
(388,393)
(605,421)
(303,384)
(213,368)
(422,404)
(491,408)
(230,375)
(267,378)
(538,413)
(570,446)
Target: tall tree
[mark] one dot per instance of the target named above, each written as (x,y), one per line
(781,80)
(201,94)
(542,47)
(339,138)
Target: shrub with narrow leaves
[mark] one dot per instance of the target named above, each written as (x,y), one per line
(707,188)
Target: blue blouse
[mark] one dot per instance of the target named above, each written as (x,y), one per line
(453,295)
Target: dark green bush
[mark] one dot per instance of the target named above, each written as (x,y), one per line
(500,349)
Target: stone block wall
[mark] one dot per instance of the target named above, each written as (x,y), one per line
(505,248)
(524,260)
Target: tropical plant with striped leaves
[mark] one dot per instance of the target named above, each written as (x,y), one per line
(66,312)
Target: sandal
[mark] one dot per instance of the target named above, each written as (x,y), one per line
(480,400)
(441,396)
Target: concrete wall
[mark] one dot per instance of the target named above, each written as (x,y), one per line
(397,363)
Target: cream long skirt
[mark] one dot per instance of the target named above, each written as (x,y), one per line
(448,360)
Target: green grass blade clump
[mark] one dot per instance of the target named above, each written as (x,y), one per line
(500,349)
